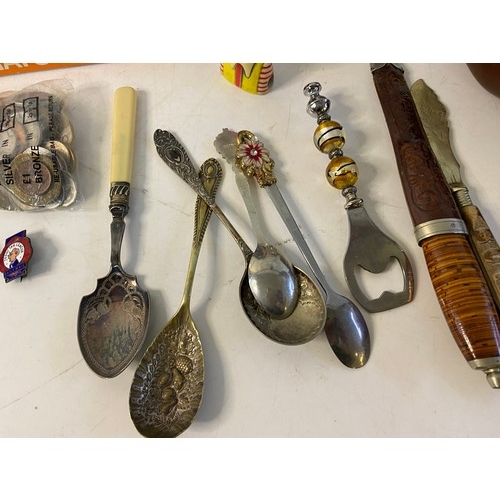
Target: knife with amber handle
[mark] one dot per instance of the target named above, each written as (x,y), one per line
(434,120)
(456,276)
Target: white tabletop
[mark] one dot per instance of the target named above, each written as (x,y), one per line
(416,383)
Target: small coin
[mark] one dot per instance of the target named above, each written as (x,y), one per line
(31,117)
(69,188)
(59,158)
(34,175)
(33,134)
(36,181)
(64,154)
(63,130)
(20,135)
(8,143)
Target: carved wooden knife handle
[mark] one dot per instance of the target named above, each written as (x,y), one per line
(486,248)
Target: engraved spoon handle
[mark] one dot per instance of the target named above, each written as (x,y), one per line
(211,172)
(211,175)
(173,154)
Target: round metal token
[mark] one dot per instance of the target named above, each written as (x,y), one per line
(34,134)
(69,188)
(64,154)
(36,181)
(8,143)
(62,129)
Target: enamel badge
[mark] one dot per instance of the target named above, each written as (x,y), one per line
(15,256)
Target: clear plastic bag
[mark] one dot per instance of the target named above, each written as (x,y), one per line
(38,170)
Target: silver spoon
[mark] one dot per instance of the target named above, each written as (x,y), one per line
(168,384)
(113,319)
(345,326)
(270,274)
(309,315)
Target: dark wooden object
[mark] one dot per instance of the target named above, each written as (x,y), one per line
(458,281)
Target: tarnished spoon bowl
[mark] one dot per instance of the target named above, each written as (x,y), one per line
(272,281)
(168,384)
(302,325)
(271,275)
(113,320)
(309,315)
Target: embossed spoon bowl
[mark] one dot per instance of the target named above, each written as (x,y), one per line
(168,384)
(112,321)
(309,315)
(345,326)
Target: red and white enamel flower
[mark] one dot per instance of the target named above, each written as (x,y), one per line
(252,153)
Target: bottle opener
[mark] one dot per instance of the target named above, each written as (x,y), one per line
(368,248)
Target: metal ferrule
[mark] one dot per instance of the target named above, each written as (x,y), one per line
(351,197)
(439,226)
(318,105)
(491,367)
(336,153)
(462,197)
(376,66)
(119,194)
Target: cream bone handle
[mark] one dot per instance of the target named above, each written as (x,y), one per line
(122,145)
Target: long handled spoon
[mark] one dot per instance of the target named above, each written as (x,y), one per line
(168,384)
(308,317)
(345,326)
(113,320)
(270,274)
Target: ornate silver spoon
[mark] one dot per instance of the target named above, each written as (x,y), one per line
(345,326)
(112,320)
(309,315)
(168,384)
(270,274)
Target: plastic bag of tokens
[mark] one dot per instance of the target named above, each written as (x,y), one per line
(38,165)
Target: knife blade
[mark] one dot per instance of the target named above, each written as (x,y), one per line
(434,119)
(456,276)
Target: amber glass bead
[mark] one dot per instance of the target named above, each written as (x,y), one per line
(329,136)
(342,172)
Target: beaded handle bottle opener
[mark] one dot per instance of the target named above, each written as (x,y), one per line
(368,246)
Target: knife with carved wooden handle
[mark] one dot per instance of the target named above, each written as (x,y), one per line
(432,114)
(456,276)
